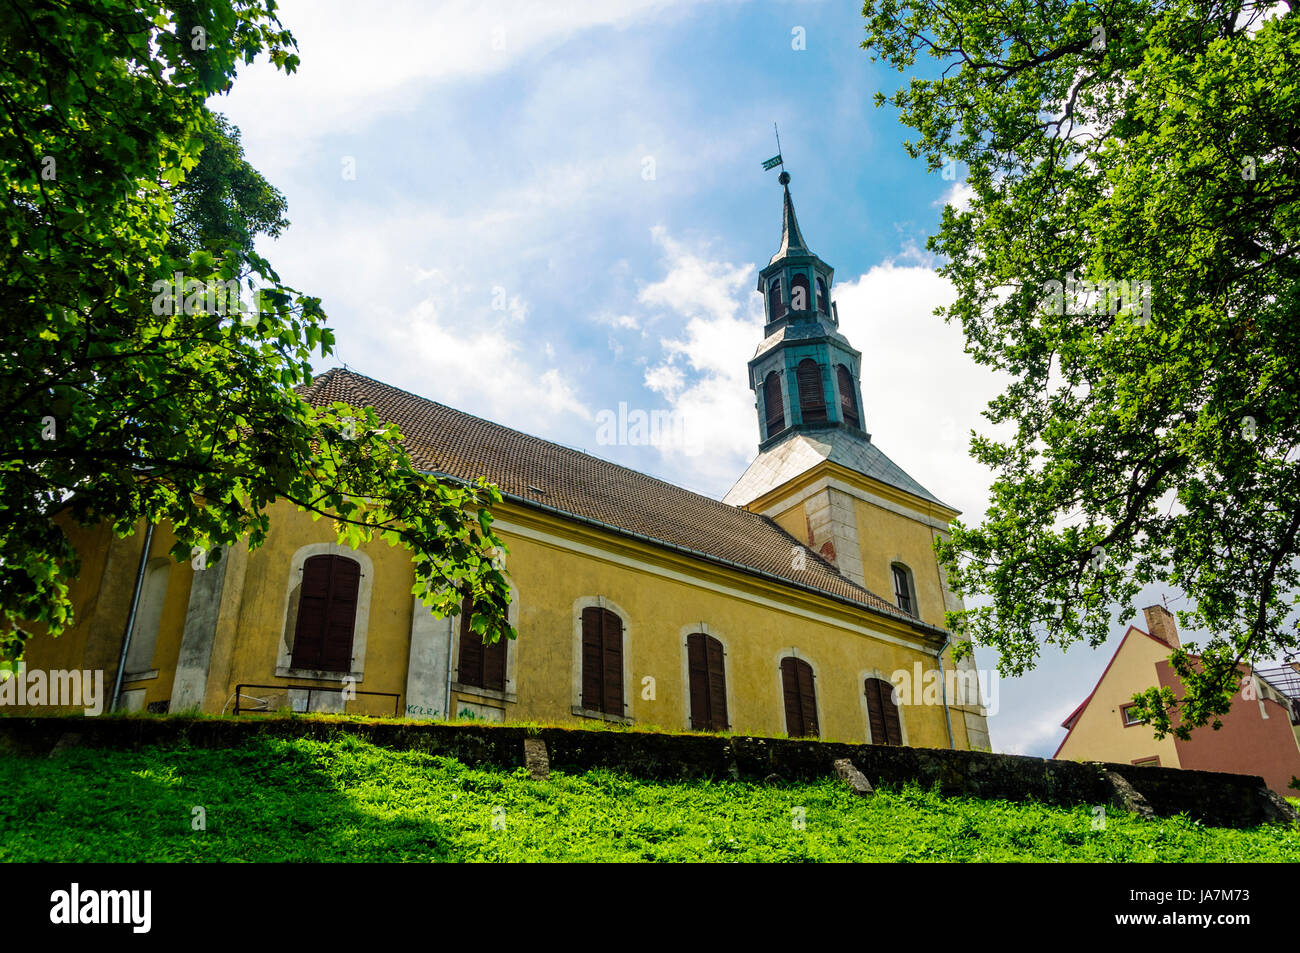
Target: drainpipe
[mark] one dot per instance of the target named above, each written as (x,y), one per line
(130,618)
(943,682)
(451,630)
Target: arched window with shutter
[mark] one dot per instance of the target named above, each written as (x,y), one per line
(812,398)
(602,661)
(773,404)
(848,399)
(823,300)
(480,665)
(327,612)
(775,303)
(800,695)
(708,682)
(799,297)
(882,714)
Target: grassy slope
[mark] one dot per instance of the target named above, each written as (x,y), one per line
(347,800)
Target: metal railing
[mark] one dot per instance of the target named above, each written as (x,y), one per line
(299,698)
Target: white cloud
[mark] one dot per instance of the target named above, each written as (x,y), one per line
(1033,733)
(476,363)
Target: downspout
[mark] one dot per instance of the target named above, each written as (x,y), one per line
(943,684)
(451,629)
(130,618)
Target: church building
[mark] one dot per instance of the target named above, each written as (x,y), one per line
(787,608)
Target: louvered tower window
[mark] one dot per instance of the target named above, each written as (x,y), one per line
(773,403)
(812,399)
(848,399)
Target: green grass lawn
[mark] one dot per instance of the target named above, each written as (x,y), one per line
(347,800)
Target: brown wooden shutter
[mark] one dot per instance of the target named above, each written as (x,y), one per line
(327,613)
(848,400)
(708,682)
(882,713)
(591,659)
(602,661)
(800,698)
(483,666)
(773,403)
(697,665)
(717,686)
(611,634)
(494,663)
(812,399)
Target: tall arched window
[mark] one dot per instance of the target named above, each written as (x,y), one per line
(799,297)
(812,399)
(602,661)
(483,666)
(882,713)
(823,301)
(773,403)
(327,612)
(903,593)
(775,303)
(800,698)
(848,400)
(708,682)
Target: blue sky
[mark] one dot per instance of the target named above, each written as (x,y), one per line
(536,212)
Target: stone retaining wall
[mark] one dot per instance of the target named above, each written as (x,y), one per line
(1231,800)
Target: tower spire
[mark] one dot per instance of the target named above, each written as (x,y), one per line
(792,242)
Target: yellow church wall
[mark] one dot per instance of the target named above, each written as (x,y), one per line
(1099,734)
(101,595)
(247,652)
(553,563)
(886,537)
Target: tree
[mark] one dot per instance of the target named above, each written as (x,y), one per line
(126,398)
(223,201)
(1128,257)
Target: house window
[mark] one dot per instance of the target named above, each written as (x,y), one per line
(822,306)
(602,661)
(327,611)
(799,300)
(1129,715)
(775,305)
(1151,762)
(812,399)
(800,698)
(882,714)
(773,403)
(708,682)
(903,588)
(482,666)
(848,400)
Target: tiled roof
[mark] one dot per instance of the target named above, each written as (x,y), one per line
(533,471)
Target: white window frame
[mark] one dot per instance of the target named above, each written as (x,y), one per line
(284,661)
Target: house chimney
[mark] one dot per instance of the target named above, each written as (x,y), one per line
(1160,623)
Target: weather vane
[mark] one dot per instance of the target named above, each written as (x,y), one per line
(776,160)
